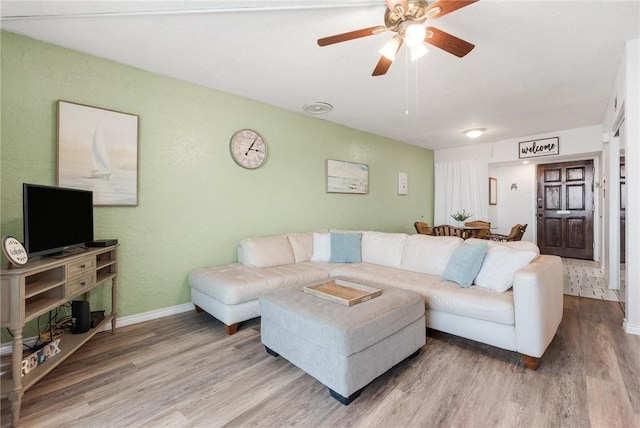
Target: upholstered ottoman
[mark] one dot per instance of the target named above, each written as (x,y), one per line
(343,347)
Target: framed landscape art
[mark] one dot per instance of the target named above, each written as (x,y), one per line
(98,151)
(347,177)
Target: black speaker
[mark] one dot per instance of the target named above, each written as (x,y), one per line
(102,243)
(80,316)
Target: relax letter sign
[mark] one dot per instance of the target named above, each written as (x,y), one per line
(535,148)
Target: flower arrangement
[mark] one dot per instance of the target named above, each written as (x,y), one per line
(460,216)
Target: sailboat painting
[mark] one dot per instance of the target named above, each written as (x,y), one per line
(98,151)
(99,155)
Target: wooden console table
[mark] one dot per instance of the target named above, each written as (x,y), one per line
(40,286)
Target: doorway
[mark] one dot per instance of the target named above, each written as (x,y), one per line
(564,205)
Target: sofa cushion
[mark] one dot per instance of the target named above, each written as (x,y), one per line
(384,249)
(345,248)
(439,295)
(236,283)
(514,245)
(465,264)
(302,246)
(267,251)
(500,265)
(321,247)
(428,254)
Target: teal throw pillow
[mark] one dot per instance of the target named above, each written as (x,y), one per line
(465,263)
(345,248)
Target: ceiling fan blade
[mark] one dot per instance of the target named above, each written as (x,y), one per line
(351,35)
(442,7)
(448,42)
(382,66)
(384,63)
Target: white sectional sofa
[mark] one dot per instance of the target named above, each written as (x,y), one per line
(514,303)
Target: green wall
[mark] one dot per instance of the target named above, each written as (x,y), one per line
(195,203)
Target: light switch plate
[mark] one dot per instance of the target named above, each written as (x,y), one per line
(403,183)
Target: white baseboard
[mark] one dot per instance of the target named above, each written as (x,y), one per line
(631,328)
(5,349)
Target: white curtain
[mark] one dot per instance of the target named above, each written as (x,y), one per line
(458,186)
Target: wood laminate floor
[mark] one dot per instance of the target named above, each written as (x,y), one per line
(183,371)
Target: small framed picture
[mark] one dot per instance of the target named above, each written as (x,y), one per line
(493,191)
(347,177)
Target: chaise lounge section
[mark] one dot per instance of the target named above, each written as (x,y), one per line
(514,301)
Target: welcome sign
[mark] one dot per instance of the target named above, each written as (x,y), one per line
(535,148)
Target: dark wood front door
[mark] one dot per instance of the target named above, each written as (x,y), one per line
(565,209)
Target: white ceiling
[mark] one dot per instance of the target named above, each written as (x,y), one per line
(538,66)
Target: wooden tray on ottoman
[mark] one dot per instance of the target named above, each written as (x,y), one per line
(344,292)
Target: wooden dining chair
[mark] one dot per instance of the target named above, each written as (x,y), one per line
(422,228)
(447,230)
(516,234)
(484,225)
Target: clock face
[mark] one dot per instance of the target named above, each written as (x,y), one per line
(248,149)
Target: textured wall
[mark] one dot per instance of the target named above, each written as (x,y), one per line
(195,203)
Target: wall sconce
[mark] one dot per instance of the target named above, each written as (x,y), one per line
(514,186)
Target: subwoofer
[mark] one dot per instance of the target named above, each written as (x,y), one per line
(80,316)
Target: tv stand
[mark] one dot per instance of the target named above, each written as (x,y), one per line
(40,286)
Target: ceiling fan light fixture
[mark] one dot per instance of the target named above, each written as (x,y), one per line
(418,51)
(390,48)
(414,34)
(475,132)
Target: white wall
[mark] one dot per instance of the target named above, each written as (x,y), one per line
(632,153)
(624,104)
(573,142)
(516,204)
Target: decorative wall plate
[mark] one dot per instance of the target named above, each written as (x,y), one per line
(14,251)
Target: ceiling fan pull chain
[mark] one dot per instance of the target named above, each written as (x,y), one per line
(406,85)
(415,93)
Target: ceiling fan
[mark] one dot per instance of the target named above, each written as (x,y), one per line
(406,19)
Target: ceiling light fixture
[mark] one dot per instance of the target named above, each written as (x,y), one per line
(475,132)
(390,48)
(414,34)
(317,108)
(417,51)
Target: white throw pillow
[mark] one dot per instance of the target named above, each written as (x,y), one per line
(321,247)
(500,265)
(302,245)
(267,251)
(384,249)
(428,254)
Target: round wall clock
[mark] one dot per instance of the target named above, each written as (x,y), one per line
(248,149)
(14,251)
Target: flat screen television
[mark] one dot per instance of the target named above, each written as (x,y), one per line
(55,219)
